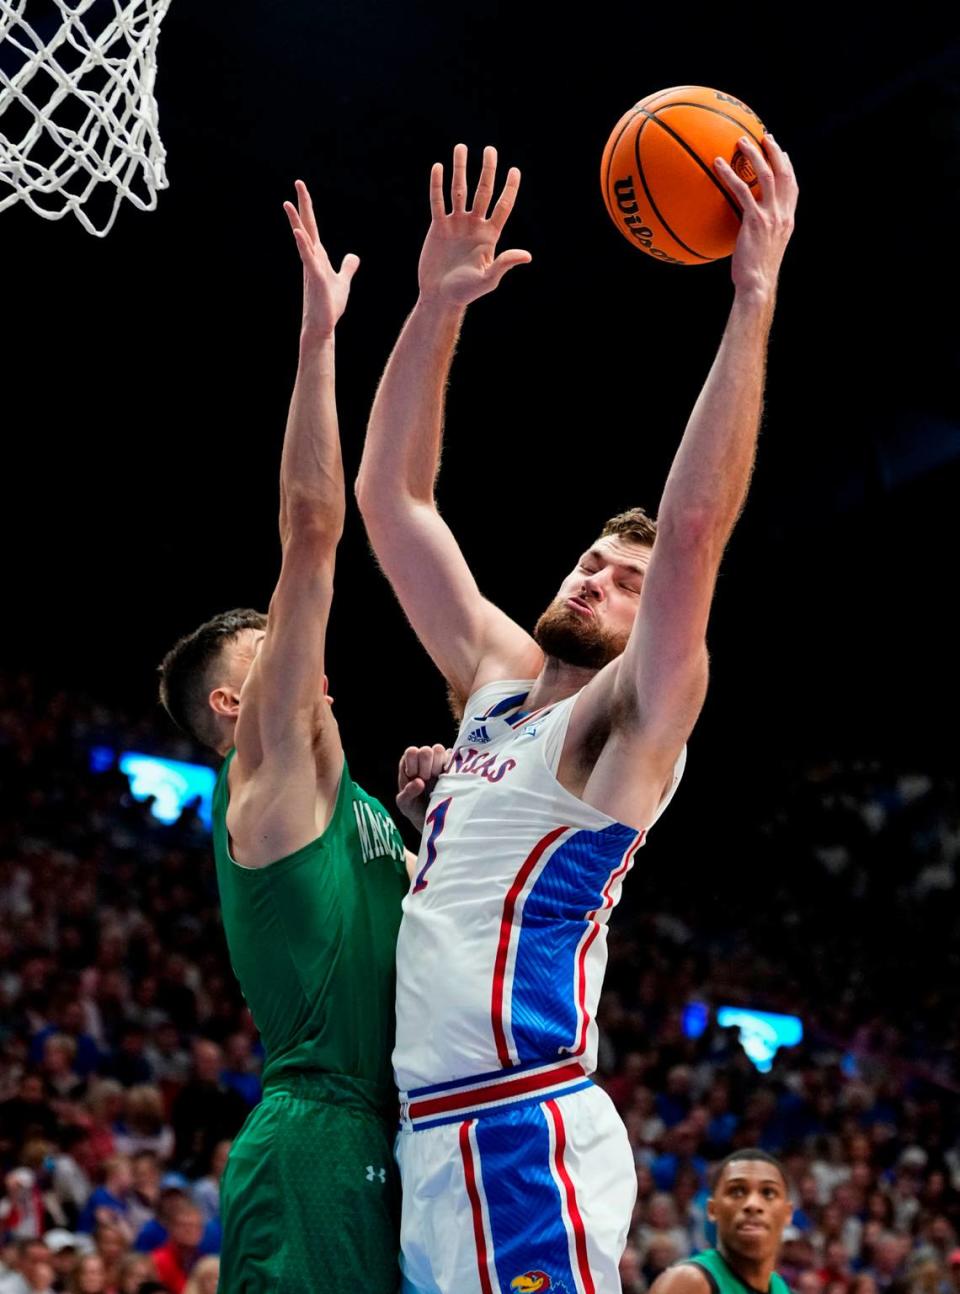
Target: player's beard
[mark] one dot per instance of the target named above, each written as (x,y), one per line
(576,639)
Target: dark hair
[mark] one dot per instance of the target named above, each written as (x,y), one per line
(634,524)
(185,669)
(750,1153)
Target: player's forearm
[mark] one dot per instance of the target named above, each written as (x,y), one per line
(311,469)
(710,474)
(402,450)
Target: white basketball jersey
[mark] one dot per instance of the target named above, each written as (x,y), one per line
(503,943)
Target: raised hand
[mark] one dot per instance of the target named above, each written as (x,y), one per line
(420,766)
(325,290)
(459,261)
(767,220)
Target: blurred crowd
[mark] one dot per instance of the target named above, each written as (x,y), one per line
(128,1060)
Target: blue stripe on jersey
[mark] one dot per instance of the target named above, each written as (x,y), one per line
(523,1202)
(544,1002)
(508,703)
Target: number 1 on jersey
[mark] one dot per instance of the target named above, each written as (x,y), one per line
(436,818)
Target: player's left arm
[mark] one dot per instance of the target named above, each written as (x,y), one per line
(288,747)
(656,690)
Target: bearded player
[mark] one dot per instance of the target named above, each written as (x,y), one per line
(311,874)
(571,745)
(750,1206)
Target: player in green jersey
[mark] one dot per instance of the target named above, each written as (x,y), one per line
(751,1206)
(311,872)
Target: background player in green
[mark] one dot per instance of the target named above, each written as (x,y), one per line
(751,1206)
(311,873)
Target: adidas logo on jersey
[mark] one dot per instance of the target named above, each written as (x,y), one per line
(478,734)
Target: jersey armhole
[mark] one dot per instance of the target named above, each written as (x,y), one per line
(289,861)
(557,734)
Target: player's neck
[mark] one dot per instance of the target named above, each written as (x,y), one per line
(555,681)
(755,1272)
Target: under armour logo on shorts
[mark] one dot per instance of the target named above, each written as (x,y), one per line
(374,1173)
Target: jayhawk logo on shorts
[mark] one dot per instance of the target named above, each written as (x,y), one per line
(533,1282)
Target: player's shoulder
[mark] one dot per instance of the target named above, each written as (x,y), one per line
(684,1277)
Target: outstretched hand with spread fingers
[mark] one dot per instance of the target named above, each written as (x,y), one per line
(325,290)
(459,261)
(767,216)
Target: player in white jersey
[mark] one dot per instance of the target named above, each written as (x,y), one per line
(517,1172)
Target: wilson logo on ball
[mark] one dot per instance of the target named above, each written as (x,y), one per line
(633,220)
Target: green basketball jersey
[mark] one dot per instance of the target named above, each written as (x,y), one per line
(724,1280)
(312,940)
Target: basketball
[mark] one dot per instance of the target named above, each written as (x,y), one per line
(658,177)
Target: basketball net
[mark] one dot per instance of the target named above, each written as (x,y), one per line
(78,118)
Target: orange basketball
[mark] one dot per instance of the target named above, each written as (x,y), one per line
(659,182)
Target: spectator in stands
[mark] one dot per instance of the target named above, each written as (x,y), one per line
(631,1271)
(65,1252)
(206,1192)
(129,1064)
(203,1279)
(113,1246)
(26,1115)
(168,1059)
(661,1224)
(174,1191)
(660,1253)
(134,1270)
(105,1102)
(175,1259)
(144,1010)
(145,1125)
(61,1079)
(888,1267)
(33,1273)
(863,1283)
(807,1282)
(109,1203)
(205,1111)
(722,1122)
(67,1017)
(239,1072)
(835,1266)
(145,1194)
(796,1256)
(22,1212)
(90,1276)
(673,1104)
(680,1150)
(73,1168)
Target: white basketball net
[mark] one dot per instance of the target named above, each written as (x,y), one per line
(77,110)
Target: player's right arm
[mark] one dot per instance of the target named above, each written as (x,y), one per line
(289,759)
(470,640)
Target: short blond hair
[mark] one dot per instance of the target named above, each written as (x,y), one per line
(634,524)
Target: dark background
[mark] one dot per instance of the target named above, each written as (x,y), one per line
(145,376)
